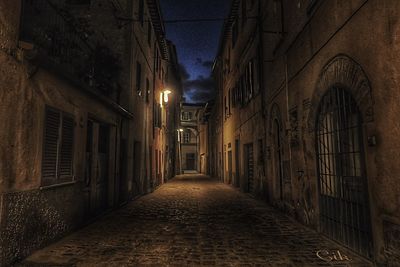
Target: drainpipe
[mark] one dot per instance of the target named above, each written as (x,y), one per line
(262,85)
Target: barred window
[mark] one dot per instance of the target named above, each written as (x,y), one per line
(57,147)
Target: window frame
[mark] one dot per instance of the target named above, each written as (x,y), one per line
(58,178)
(187,137)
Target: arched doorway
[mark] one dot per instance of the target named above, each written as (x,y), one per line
(278,159)
(343,188)
(277,154)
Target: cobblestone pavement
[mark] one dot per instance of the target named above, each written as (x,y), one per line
(191,221)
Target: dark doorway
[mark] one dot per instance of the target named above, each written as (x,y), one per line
(249,167)
(97,166)
(137,163)
(344,201)
(237,163)
(123,182)
(190,161)
(230,166)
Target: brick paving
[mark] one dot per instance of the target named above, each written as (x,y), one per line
(192,221)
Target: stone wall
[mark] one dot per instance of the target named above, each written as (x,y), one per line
(332,43)
(33,219)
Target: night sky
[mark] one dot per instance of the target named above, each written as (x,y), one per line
(196,42)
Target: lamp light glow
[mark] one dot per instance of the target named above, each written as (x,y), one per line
(166,94)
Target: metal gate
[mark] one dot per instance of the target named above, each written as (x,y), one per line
(344,203)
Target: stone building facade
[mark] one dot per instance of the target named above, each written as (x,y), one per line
(77,135)
(190,136)
(326,151)
(204,144)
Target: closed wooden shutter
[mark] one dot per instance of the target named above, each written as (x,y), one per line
(50,149)
(66,150)
(57,148)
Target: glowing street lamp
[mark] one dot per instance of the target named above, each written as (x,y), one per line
(164,96)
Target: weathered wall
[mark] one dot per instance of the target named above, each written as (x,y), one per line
(337,29)
(296,76)
(31,217)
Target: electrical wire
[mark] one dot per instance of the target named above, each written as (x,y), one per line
(174,21)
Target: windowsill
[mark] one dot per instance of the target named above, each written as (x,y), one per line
(57,185)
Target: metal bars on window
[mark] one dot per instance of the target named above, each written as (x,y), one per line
(344,204)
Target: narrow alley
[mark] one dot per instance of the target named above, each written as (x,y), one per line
(200,133)
(194,220)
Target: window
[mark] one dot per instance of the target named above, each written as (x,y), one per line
(186,137)
(157,60)
(147,90)
(141,12)
(149,33)
(244,12)
(57,148)
(138,77)
(226,107)
(187,116)
(229,102)
(245,89)
(235,32)
(157,116)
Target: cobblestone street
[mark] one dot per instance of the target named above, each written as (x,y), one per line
(190,221)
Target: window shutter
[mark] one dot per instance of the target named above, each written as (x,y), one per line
(50,149)
(138,76)
(66,150)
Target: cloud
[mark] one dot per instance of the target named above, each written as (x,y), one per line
(199,61)
(184,73)
(208,64)
(200,89)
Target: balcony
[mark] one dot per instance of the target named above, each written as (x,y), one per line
(69,45)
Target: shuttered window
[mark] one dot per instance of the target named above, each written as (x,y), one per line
(57,147)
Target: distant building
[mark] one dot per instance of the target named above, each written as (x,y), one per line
(204,141)
(189,137)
